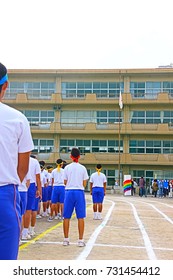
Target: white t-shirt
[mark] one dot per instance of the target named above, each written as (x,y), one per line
(22,186)
(15,137)
(49,177)
(58,177)
(34,169)
(98,180)
(43,179)
(75,174)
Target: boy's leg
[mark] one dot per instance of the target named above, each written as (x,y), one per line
(81,224)
(66,225)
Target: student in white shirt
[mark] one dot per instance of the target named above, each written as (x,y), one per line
(23,189)
(31,197)
(44,186)
(98,183)
(58,193)
(49,178)
(15,147)
(75,180)
(34,168)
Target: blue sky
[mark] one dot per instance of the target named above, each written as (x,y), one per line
(86,34)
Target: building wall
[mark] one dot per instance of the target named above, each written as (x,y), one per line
(154,162)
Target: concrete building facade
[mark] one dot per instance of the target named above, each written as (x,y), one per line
(68,108)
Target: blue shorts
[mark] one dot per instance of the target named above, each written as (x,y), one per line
(44,194)
(36,204)
(74,199)
(31,196)
(10,222)
(49,195)
(97,194)
(58,194)
(23,202)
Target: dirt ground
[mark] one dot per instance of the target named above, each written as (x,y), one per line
(132,228)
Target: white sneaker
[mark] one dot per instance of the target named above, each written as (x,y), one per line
(50,219)
(38,216)
(32,232)
(66,242)
(99,217)
(26,237)
(81,243)
(44,214)
(95,216)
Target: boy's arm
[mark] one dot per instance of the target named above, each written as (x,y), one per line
(104,184)
(85,183)
(23,165)
(91,185)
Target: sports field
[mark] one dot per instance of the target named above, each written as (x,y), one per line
(132,228)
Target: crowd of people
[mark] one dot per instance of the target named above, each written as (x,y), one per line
(30,190)
(158,187)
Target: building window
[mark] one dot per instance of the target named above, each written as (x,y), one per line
(168,117)
(151,146)
(43,145)
(145,117)
(91,146)
(101,89)
(42,90)
(168,87)
(108,117)
(76,117)
(137,89)
(145,89)
(36,117)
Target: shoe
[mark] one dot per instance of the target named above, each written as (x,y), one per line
(32,233)
(26,237)
(81,243)
(66,243)
(38,216)
(56,217)
(95,216)
(50,219)
(99,217)
(44,214)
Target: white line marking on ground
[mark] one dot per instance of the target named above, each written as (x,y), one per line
(147,242)
(161,213)
(106,245)
(91,241)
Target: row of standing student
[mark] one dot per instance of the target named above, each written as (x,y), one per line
(16,145)
(62,186)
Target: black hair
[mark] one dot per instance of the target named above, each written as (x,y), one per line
(42,162)
(49,166)
(98,166)
(3,72)
(64,164)
(59,161)
(33,156)
(75,152)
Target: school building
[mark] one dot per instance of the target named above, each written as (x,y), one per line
(80,108)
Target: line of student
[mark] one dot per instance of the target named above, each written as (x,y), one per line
(21,172)
(67,193)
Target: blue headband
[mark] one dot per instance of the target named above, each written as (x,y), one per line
(4,79)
